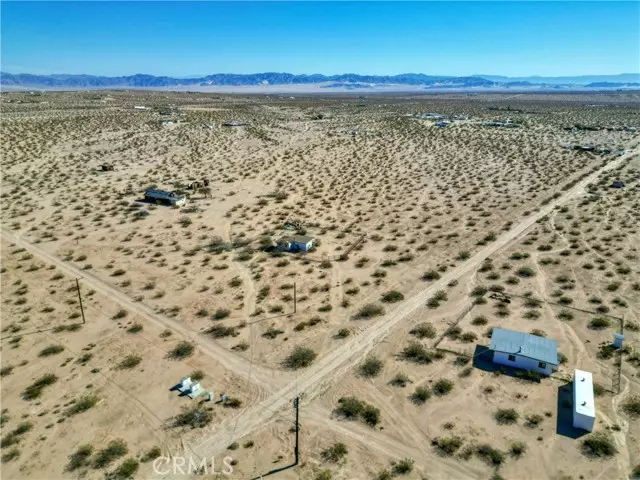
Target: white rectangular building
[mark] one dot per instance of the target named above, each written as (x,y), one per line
(524,351)
(584,407)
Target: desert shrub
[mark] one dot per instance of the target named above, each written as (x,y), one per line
(335,452)
(272,333)
(323,475)
(196,416)
(130,361)
(182,350)
(526,272)
(400,380)
(565,315)
(10,455)
(371,415)
(490,455)
(6,370)
(479,320)
(126,469)
(506,416)
(135,328)
(300,358)
(196,375)
(80,458)
(221,313)
(479,291)
(120,314)
(403,467)
(221,331)
(370,310)
(35,389)
(343,333)
(442,387)
(598,444)
(350,407)
(392,297)
(420,395)
(599,323)
(517,449)
(430,275)
(424,330)
(151,454)
(533,420)
(51,350)
(371,367)
(447,445)
(468,337)
(632,406)
(114,449)
(83,404)
(417,353)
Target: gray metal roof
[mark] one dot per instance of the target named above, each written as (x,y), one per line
(296,238)
(524,344)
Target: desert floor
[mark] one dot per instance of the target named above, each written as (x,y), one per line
(427,238)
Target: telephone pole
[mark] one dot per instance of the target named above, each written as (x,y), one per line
(296,402)
(295,298)
(80,300)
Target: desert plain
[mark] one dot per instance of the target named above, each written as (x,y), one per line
(435,219)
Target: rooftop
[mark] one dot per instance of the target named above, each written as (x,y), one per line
(296,238)
(524,344)
(583,393)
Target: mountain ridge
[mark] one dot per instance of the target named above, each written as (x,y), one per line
(141,80)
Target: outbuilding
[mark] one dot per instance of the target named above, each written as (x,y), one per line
(164,197)
(524,351)
(617,184)
(296,243)
(584,407)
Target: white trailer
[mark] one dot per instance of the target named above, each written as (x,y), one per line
(163,196)
(584,407)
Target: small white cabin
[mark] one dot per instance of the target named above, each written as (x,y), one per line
(165,197)
(584,407)
(296,243)
(524,351)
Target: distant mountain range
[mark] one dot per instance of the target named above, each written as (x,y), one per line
(344,81)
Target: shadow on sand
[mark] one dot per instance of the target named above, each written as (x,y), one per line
(564,424)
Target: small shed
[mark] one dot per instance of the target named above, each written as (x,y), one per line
(524,351)
(584,407)
(617,184)
(296,243)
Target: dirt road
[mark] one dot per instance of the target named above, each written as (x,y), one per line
(263,378)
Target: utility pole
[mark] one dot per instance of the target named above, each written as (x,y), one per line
(295,298)
(296,402)
(80,300)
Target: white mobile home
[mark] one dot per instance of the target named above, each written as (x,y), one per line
(524,351)
(584,407)
(296,243)
(164,197)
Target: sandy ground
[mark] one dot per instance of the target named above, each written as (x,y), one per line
(388,196)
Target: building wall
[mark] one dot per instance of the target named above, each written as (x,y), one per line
(584,422)
(521,362)
(301,246)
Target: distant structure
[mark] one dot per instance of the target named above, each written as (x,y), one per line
(524,351)
(584,407)
(164,197)
(442,123)
(140,107)
(296,243)
(234,124)
(107,167)
(617,184)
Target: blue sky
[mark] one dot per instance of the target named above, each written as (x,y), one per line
(452,38)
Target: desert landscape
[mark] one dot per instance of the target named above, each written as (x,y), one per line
(429,219)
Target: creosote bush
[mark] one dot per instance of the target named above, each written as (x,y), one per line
(300,358)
